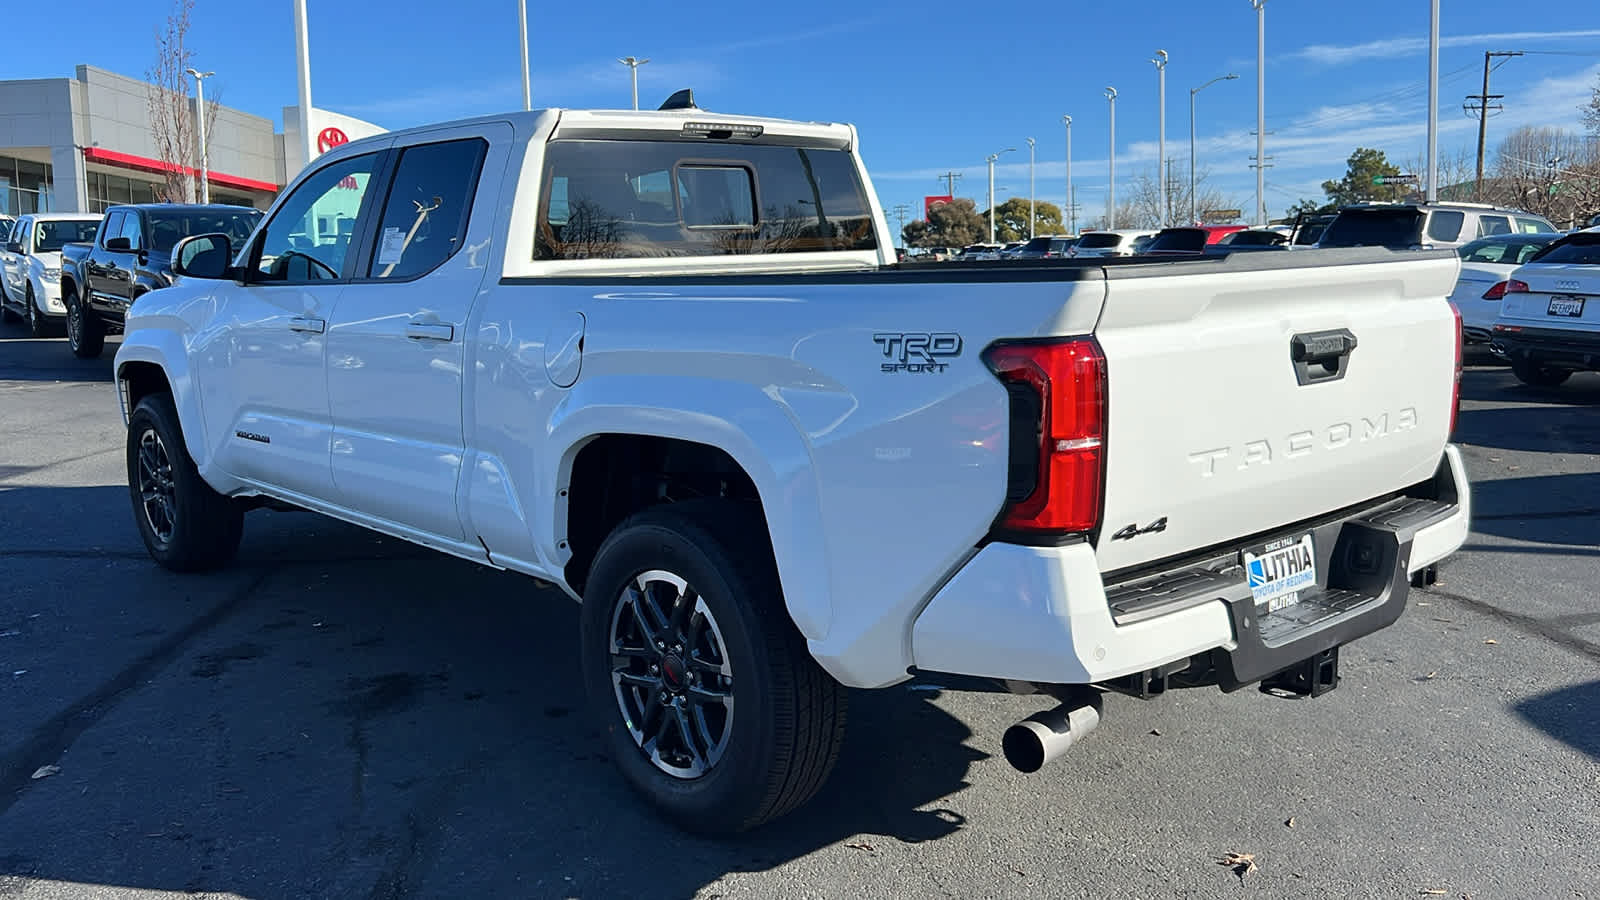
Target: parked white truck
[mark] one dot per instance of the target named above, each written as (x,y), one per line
(664,360)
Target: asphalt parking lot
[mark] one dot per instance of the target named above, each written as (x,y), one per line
(342,715)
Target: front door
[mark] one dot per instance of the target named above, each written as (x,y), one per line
(395,347)
(16,263)
(265,397)
(111,271)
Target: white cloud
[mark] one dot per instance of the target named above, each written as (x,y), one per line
(1340,54)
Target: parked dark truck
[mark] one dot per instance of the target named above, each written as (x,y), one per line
(131,254)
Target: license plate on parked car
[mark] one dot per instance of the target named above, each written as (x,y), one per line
(1280,571)
(1567,305)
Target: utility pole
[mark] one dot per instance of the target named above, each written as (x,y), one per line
(900,212)
(1031,214)
(1072,207)
(1483,112)
(950,179)
(633,64)
(1161,133)
(1261,111)
(1431,189)
(1111,203)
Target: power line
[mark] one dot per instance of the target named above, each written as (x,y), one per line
(1483,107)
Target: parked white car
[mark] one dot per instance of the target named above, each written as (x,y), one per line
(30,284)
(1549,323)
(772,465)
(1120,242)
(1486,263)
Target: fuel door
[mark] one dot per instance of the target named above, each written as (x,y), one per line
(563,349)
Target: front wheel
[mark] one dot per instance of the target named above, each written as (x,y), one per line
(85,334)
(186,526)
(1538,376)
(715,711)
(38,325)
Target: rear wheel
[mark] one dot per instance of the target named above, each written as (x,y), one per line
(85,333)
(714,709)
(186,526)
(1537,375)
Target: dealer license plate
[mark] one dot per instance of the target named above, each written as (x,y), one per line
(1566,305)
(1281,571)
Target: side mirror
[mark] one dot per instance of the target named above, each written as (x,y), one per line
(119,243)
(202,256)
(13,247)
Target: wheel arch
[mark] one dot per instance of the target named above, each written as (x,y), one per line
(150,361)
(758,455)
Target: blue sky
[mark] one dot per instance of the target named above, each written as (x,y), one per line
(933,86)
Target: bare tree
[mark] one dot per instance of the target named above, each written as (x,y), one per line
(1143,209)
(1549,171)
(1458,172)
(172,110)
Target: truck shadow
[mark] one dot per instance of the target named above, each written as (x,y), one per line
(1496,384)
(1570,715)
(24,357)
(1547,509)
(365,718)
(1541,429)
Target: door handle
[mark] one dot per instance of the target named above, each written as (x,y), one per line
(307,325)
(426,331)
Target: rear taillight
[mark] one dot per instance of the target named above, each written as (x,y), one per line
(1496,292)
(1514,286)
(1455,390)
(1059,388)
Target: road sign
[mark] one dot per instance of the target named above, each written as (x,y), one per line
(1394,179)
(1212,215)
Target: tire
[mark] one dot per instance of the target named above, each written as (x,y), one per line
(85,334)
(1537,375)
(782,720)
(186,526)
(38,324)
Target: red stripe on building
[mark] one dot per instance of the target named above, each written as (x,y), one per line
(144,164)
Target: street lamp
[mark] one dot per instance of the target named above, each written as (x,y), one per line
(522,31)
(992,157)
(1111,205)
(200,99)
(633,64)
(1161,132)
(1030,189)
(1072,210)
(1261,110)
(1194,209)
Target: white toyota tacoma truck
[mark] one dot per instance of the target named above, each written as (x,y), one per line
(665,361)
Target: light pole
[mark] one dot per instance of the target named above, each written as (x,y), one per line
(1194,207)
(1111,204)
(1161,133)
(1031,216)
(633,65)
(992,157)
(1431,191)
(1261,110)
(302,53)
(522,29)
(1072,211)
(200,115)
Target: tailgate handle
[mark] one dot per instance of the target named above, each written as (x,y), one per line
(1320,356)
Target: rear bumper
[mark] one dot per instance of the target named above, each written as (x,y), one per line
(1043,614)
(1563,348)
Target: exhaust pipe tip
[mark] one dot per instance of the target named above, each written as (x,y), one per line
(1040,738)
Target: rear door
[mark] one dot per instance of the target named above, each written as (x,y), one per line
(395,344)
(16,263)
(1276,389)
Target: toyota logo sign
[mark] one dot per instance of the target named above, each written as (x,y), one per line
(331,138)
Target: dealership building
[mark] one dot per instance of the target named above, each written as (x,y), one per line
(84,143)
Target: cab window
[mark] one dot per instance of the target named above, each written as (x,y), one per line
(425,215)
(309,236)
(1445,224)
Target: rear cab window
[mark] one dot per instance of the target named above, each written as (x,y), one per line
(624,199)
(1099,240)
(1399,228)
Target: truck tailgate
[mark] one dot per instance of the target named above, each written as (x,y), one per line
(1242,402)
